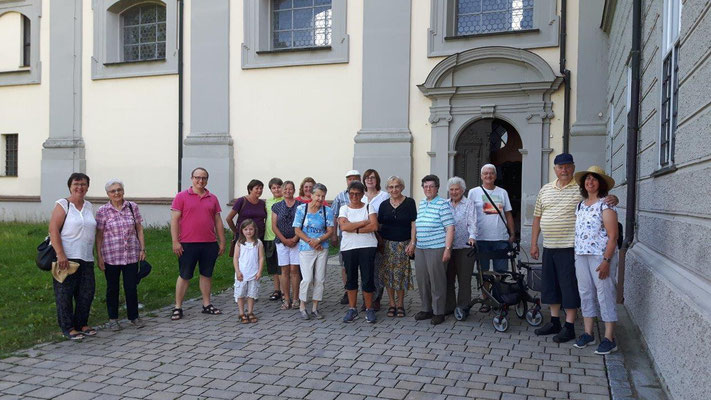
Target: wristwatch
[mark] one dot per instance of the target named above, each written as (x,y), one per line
(607,259)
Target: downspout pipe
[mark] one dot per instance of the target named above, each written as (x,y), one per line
(566,74)
(632,140)
(180,95)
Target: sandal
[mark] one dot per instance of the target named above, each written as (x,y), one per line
(243,319)
(275,296)
(400,312)
(176,314)
(285,305)
(485,308)
(391,312)
(74,336)
(210,309)
(252,317)
(88,331)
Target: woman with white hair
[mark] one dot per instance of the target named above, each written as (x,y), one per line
(120,246)
(495,224)
(460,266)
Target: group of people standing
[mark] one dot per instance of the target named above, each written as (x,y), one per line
(379,232)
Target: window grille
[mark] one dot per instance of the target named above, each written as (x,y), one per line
(670,91)
(301,23)
(10,155)
(144,33)
(487,16)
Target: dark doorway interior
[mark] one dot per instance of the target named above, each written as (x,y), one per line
(491,141)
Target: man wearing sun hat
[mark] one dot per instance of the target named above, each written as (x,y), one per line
(340,200)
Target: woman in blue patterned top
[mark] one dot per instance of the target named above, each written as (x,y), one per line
(434,228)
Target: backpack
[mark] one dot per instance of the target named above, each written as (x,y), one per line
(619,227)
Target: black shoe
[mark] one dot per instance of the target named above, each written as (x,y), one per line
(422,315)
(547,329)
(437,319)
(344,299)
(566,334)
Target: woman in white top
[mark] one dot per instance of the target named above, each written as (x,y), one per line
(72,229)
(375,197)
(358,221)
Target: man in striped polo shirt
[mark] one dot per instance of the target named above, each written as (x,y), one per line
(434,228)
(554,214)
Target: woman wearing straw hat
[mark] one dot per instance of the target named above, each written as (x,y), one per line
(595,262)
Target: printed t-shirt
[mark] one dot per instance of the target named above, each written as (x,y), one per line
(256,212)
(353,240)
(268,232)
(313,225)
(197,216)
(488,223)
(433,217)
(285,218)
(556,208)
(590,233)
(396,223)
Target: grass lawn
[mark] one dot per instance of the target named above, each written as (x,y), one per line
(27,312)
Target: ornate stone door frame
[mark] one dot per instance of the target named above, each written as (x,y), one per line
(511,84)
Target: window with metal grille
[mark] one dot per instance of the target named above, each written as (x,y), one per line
(670,105)
(144,33)
(10,154)
(487,16)
(301,23)
(26,41)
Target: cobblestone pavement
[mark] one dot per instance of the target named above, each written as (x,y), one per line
(282,356)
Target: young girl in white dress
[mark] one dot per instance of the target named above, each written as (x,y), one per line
(248,258)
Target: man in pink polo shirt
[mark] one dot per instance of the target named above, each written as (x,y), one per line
(194,221)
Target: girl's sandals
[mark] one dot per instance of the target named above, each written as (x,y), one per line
(210,309)
(275,296)
(176,314)
(285,305)
(88,331)
(243,319)
(400,312)
(252,317)
(391,312)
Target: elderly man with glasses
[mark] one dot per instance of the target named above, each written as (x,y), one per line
(195,227)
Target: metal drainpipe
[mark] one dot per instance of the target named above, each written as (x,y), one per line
(180,95)
(632,139)
(566,74)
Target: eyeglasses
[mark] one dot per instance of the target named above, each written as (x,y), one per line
(429,187)
(200,178)
(393,187)
(80,184)
(115,191)
(354,194)
(367,178)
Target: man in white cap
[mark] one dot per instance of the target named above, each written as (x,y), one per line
(342,199)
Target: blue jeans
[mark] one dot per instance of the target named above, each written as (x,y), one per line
(485,246)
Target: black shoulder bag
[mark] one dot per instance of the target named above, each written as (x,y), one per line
(45,252)
(144,268)
(493,203)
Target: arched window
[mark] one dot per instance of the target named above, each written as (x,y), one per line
(143,32)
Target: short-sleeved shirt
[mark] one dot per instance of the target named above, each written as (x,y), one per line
(464,222)
(314,225)
(489,226)
(433,217)
(78,231)
(355,240)
(377,200)
(556,208)
(285,220)
(268,232)
(120,245)
(396,223)
(197,216)
(590,233)
(256,212)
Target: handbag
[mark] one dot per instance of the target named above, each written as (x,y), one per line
(144,267)
(45,252)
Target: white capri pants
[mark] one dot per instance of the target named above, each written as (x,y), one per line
(246,289)
(598,297)
(313,269)
(287,255)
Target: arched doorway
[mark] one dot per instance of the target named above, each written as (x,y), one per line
(494,141)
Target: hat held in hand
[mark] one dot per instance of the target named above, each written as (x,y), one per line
(61,274)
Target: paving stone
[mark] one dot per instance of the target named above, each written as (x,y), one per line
(46,392)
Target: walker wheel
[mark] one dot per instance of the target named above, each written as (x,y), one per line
(534,317)
(501,324)
(521,309)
